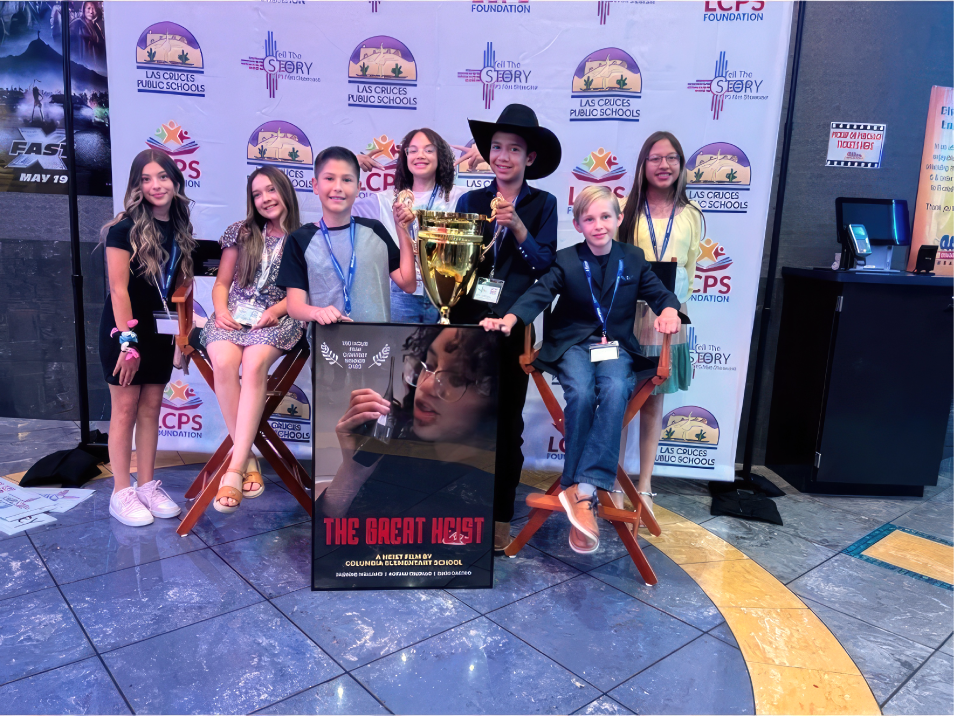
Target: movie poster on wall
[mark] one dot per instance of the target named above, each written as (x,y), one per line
(934,210)
(288,80)
(404,500)
(33,151)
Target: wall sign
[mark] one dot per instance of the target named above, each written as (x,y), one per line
(851,144)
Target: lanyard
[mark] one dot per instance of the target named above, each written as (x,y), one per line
(652,231)
(430,202)
(268,259)
(345,285)
(596,304)
(167,275)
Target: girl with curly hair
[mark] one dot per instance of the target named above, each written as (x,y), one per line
(149,247)
(425,167)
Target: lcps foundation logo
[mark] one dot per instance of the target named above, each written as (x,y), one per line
(172,139)
(599,167)
(384,151)
(729,85)
(170,61)
(689,438)
(500,6)
(734,11)
(712,284)
(178,418)
(505,74)
(604,86)
(718,175)
(383,74)
(283,145)
(280,64)
(292,418)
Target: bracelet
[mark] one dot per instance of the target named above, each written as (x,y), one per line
(130,353)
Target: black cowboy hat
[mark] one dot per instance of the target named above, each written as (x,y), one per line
(522,121)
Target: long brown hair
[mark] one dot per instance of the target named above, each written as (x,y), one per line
(251,241)
(148,252)
(637,195)
(403,179)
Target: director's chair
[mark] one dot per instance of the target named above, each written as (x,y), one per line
(273,449)
(542,506)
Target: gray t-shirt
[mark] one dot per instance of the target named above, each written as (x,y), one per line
(307,265)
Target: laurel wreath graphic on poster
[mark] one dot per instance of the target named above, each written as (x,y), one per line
(329,355)
(381,355)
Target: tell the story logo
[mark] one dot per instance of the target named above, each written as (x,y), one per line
(503,74)
(280,65)
(729,85)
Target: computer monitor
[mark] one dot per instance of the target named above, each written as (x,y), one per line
(886,220)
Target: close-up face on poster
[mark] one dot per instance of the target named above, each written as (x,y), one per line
(405,441)
(33,152)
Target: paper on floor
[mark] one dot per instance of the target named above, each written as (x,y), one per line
(64,497)
(17,502)
(18,524)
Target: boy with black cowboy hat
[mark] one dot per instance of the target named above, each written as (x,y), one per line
(524,237)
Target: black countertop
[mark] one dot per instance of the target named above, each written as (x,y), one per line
(881,277)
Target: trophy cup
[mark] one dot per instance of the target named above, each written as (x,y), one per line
(449,248)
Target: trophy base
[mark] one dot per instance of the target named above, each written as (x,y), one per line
(445,316)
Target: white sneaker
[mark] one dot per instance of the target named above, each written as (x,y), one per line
(157,500)
(126,507)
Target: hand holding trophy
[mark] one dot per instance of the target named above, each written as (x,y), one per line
(403,209)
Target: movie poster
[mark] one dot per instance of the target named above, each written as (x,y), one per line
(32,132)
(405,439)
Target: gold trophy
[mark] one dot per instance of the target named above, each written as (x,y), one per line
(449,247)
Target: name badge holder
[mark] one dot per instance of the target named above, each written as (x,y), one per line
(490,289)
(604,350)
(247,313)
(166,323)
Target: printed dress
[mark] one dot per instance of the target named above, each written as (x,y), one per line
(286,334)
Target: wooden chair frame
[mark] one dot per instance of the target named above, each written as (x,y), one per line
(272,447)
(542,506)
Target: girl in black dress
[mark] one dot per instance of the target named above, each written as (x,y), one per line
(148,245)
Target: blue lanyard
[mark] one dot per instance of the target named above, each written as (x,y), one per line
(168,272)
(345,285)
(430,202)
(596,304)
(652,231)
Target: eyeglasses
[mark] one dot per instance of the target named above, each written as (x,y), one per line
(429,151)
(656,159)
(449,385)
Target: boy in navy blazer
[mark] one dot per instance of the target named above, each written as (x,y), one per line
(590,346)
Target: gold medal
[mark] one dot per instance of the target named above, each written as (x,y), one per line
(406,197)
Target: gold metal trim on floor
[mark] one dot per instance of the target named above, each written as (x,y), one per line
(796,664)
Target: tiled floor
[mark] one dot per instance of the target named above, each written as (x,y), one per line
(99,618)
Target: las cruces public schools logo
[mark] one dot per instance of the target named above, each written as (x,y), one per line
(280,64)
(179,418)
(604,86)
(734,11)
(707,356)
(505,74)
(292,418)
(170,60)
(172,139)
(283,145)
(384,75)
(712,284)
(729,85)
(599,167)
(689,438)
(718,174)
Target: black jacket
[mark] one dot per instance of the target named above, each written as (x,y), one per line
(517,265)
(574,319)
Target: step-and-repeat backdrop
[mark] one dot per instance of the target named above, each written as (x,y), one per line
(226,87)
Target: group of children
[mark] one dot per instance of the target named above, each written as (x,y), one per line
(276,275)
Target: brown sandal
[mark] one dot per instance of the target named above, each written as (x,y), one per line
(230,493)
(253,476)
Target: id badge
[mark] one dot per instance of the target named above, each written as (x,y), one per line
(419,288)
(604,351)
(248,314)
(488,290)
(166,325)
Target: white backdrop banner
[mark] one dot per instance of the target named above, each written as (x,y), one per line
(226,87)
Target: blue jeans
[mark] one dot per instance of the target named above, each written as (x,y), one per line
(596,398)
(408,308)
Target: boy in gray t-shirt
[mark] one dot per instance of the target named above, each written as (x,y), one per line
(340,268)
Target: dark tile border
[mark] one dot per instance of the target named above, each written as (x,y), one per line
(856,550)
